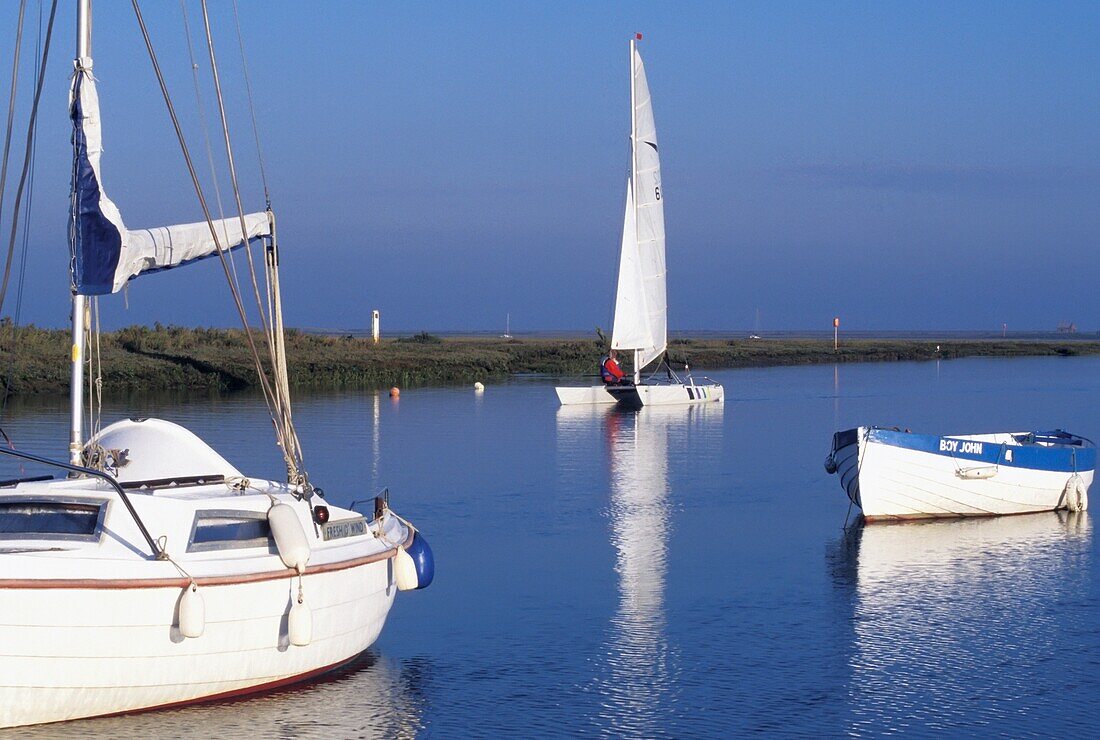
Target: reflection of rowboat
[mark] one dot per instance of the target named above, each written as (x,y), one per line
(891,474)
(933,605)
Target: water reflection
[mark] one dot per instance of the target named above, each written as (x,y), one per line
(949,619)
(371,698)
(639,664)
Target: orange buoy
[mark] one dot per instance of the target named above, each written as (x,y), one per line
(395,392)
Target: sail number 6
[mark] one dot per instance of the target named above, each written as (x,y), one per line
(657,192)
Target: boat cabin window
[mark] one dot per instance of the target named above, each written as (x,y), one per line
(55,519)
(222,530)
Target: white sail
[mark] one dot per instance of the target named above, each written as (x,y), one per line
(631,330)
(640,304)
(106,254)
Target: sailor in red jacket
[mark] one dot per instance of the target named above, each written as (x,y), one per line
(610,372)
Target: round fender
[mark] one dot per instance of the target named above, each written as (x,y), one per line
(415,566)
(290,538)
(192,612)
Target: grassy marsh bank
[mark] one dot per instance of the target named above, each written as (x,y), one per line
(177,358)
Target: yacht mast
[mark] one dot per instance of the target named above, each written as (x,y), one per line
(634,180)
(76,389)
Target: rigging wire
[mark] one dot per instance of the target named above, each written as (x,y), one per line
(206,131)
(31,127)
(271,323)
(293,465)
(252,107)
(17,315)
(233,174)
(11,102)
(3,182)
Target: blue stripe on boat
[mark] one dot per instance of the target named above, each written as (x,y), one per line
(1062,457)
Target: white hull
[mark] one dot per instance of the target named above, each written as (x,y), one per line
(70,653)
(673,394)
(888,481)
(583,396)
(642,395)
(92,625)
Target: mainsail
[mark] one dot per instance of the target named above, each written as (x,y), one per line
(105,254)
(640,307)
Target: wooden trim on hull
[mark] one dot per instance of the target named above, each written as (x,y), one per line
(97,584)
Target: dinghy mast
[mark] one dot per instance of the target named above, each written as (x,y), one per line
(633,204)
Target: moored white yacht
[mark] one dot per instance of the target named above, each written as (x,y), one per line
(151,572)
(641,321)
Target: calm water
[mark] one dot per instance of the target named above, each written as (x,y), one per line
(678,572)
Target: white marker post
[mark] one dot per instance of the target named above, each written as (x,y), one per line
(375,326)
(836,333)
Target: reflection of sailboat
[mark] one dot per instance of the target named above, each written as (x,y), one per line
(932,602)
(637,651)
(641,309)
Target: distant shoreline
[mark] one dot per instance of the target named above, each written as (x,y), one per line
(174,358)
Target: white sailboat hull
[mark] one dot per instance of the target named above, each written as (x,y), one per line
(672,394)
(69,653)
(675,394)
(900,475)
(93,624)
(595,394)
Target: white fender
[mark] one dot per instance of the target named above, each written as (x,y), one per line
(192,612)
(299,623)
(290,538)
(981,473)
(1076,495)
(404,571)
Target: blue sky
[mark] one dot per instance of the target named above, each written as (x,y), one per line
(906,165)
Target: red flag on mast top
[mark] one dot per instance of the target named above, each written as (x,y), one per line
(638,36)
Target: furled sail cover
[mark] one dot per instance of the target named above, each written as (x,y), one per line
(105,254)
(640,306)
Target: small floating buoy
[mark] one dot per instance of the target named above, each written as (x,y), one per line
(479,387)
(192,612)
(299,623)
(290,538)
(414,566)
(395,392)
